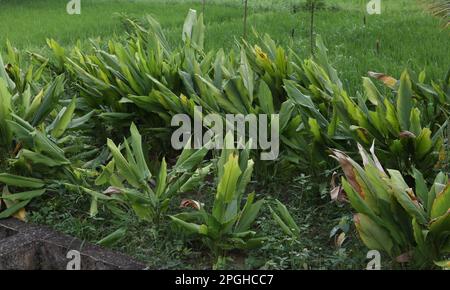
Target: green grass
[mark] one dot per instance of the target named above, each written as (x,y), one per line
(27,23)
(163,248)
(408,36)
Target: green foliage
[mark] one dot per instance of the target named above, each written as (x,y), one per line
(396,125)
(409,224)
(407,127)
(39,155)
(22,94)
(285,220)
(145,75)
(37,131)
(5,115)
(228,225)
(132,185)
(47,141)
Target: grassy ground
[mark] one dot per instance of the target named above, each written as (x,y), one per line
(407,38)
(164,248)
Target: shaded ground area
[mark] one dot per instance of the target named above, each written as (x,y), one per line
(163,248)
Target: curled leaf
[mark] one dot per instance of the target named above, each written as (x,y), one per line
(347,167)
(112,190)
(406,134)
(189,203)
(337,192)
(387,80)
(340,239)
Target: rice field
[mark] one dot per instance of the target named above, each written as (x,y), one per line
(403,36)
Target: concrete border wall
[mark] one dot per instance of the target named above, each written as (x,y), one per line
(31,247)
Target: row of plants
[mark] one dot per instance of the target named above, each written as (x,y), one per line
(60,123)
(43,164)
(147,81)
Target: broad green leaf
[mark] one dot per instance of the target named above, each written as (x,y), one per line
(400,191)
(416,127)
(441,204)
(162,179)
(34,106)
(196,179)
(190,158)
(13,209)
(190,227)
(284,227)
(247,76)
(421,187)
(20,181)
(26,195)
(226,190)
(372,92)
(198,33)
(5,77)
(64,120)
(418,233)
(50,100)
(405,101)
(249,213)
(113,238)
(286,114)
(136,143)
(122,164)
(443,264)
(189,23)
(5,114)
(373,236)
(37,158)
(423,143)
(245,177)
(265,98)
(441,225)
(287,217)
(46,146)
(78,122)
(93,209)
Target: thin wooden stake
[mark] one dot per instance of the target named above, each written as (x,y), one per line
(245,18)
(313,8)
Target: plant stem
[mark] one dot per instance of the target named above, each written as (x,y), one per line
(245,18)
(313,7)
